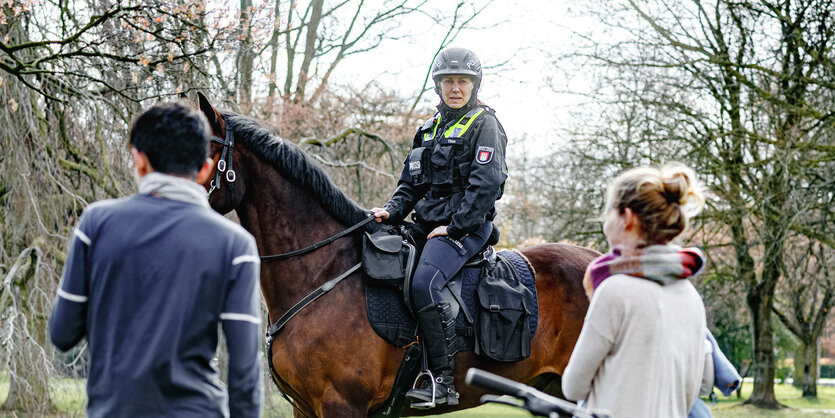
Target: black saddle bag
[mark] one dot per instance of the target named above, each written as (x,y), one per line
(502,329)
(387,258)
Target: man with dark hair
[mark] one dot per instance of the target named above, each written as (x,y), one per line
(149,278)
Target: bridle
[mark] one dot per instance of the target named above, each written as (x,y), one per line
(224,164)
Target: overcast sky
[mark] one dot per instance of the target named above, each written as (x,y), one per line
(521,33)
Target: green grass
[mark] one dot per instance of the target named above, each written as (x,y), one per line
(787,395)
(70,398)
(68,395)
(729,407)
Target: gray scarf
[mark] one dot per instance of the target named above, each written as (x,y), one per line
(174,188)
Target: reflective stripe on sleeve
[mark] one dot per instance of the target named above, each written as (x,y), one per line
(82,236)
(246,259)
(71,297)
(240,317)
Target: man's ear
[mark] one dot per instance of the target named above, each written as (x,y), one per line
(140,159)
(205,171)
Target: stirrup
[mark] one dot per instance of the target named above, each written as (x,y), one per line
(428,404)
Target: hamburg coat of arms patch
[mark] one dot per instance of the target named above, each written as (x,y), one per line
(484,155)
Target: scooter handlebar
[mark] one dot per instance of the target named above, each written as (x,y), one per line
(535,401)
(495,383)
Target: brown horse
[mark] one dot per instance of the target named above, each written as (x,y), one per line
(327,358)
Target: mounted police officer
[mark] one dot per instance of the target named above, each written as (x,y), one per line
(452,179)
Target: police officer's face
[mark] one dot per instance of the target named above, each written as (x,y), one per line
(456,90)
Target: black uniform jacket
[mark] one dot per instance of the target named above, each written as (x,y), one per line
(454,173)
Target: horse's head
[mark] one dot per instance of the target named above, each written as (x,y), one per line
(225,185)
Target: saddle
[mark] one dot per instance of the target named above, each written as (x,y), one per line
(494,296)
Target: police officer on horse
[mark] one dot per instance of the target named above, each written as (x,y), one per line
(452,178)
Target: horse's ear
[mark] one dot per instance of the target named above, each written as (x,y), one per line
(184,98)
(209,111)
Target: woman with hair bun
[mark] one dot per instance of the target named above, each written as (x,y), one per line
(643,351)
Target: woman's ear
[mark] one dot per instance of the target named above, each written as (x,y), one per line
(630,220)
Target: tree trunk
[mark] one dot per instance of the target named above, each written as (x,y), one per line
(246,57)
(799,365)
(290,51)
(274,53)
(760,302)
(309,50)
(28,363)
(810,371)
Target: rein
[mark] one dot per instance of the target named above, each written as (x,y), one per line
(321,290)
(318,245)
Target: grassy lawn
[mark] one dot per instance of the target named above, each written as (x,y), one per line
(730,407)
(69,397)
(823,406)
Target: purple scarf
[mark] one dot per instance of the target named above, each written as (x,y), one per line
(663,264)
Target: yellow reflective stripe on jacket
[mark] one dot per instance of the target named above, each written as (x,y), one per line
(459,129)
(429,137)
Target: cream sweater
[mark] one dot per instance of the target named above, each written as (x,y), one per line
(642,351)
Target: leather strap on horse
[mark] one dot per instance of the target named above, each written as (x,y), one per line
(317,245)
(321,290)
(278,325)
(224,163)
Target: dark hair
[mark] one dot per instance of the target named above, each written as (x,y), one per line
(174,136)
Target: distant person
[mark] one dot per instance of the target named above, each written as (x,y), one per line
(150,278)
(452,179)
(643,350)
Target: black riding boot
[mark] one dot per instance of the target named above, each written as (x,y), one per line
(439,336)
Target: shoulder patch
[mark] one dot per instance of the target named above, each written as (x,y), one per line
(484,155)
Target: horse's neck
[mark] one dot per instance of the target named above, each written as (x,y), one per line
(283,217)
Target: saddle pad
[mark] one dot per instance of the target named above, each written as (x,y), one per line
(392,321)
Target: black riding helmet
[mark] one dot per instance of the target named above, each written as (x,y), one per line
(457,61)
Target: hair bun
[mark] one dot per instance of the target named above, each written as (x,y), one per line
(675,190)
(679,185)
(663,199)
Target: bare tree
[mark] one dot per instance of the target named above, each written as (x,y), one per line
(246,57)
(807,297)
(737,88)
(72,76)
(359,133)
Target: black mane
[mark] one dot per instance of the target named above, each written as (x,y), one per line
(296,166)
